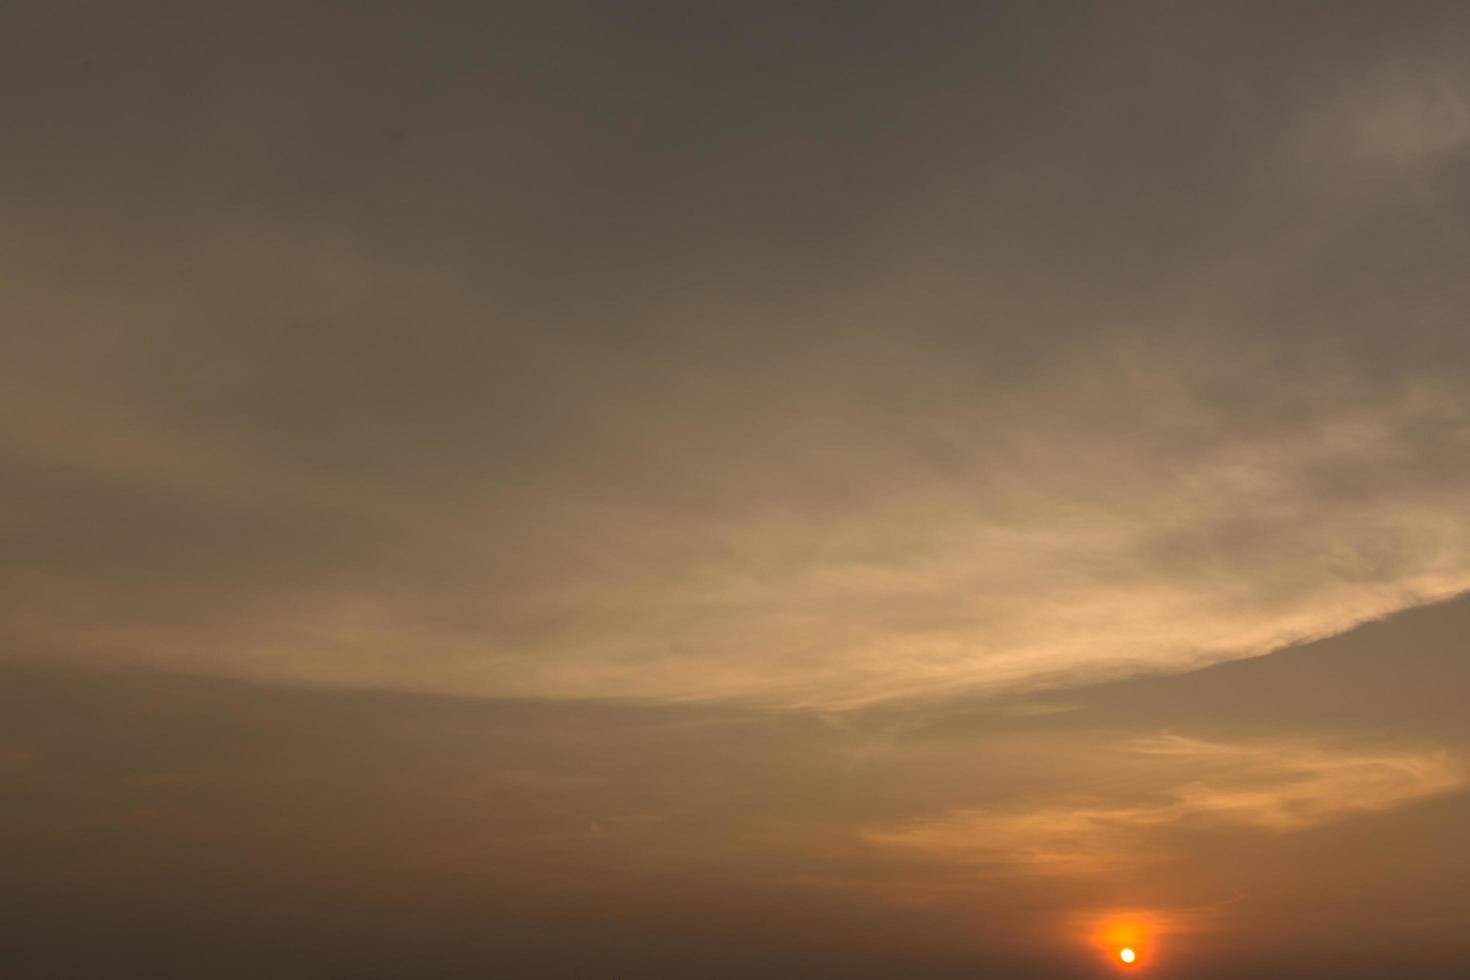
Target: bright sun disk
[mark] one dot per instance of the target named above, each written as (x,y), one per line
(1127,955)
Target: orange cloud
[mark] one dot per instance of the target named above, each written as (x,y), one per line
(1266,786)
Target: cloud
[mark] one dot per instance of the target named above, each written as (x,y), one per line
(1064,546)
(1276,787)
(1403,115)
(1088,384)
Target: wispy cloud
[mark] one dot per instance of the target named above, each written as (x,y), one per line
(1263,786)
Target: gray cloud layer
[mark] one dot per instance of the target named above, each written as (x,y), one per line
(766,355)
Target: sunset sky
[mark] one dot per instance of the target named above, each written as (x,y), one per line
(628,490)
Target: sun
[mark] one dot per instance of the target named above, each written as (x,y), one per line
(1124,941)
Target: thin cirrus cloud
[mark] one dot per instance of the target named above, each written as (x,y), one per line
(1034,555)
(1180,785)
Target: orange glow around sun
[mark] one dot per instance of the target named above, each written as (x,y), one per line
(1125,939)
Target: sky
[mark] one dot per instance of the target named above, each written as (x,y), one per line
(649,489)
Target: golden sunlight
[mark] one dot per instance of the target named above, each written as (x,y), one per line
(1126,938)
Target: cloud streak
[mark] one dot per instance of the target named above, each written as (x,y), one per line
(1277,787)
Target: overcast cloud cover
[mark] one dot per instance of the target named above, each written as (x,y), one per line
(811,355)
(851,385)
